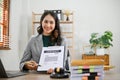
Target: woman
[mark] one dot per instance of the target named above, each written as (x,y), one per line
(49,34)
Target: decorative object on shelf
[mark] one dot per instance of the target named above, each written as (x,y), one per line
(67,13)
(101,41)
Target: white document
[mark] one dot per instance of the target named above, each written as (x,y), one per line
(51,57)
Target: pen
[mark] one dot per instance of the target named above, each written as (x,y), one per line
(39,65)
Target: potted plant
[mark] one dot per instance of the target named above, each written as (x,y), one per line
(101,41)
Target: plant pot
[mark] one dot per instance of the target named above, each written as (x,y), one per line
(100,51)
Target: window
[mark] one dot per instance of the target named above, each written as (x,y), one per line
(4,24)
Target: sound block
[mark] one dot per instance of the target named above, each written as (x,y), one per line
(56,75)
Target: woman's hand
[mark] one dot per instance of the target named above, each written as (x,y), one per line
(31,65)
(50,70)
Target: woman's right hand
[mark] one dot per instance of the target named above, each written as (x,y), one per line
(31,65)
(49,71)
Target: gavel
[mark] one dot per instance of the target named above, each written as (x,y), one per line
(59,70)
(59,73)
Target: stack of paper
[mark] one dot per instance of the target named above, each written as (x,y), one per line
(87,70)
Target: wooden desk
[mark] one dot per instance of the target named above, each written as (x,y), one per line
(32,76)
(38,76)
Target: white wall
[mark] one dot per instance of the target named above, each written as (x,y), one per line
(89,16)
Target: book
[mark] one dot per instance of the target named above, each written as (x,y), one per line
(87,70)
(87,67)
(86,78)
(86,74)
(86,62)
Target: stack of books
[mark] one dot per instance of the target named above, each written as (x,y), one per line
(87,69)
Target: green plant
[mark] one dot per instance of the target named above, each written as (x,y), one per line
(101,41)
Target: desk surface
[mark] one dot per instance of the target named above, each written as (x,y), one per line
(38,76)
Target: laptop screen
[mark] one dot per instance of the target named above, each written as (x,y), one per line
(6,74)
(2,70)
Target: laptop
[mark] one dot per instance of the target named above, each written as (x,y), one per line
(9,74)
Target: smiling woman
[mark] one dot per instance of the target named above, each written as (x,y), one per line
(4,24)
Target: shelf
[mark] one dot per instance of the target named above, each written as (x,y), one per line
(106,67)
(67,32)
(69,37)
(36,14)
(36,22)
(70,13)
(63,22)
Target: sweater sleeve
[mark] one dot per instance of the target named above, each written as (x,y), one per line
(27,55)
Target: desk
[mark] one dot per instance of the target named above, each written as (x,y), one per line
(32,76)
(38,76)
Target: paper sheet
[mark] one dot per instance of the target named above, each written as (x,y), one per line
(51,57)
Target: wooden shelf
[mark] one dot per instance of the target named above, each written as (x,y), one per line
(67,32)
(65,22)
(70,13)
(106,67)
(36,22)
(69,37)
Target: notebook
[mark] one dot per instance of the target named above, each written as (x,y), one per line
(8,74)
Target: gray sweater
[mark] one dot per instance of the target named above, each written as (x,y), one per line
(34,49)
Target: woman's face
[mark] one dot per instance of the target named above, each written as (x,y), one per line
(48,25)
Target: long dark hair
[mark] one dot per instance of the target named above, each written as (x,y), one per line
(56,33)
